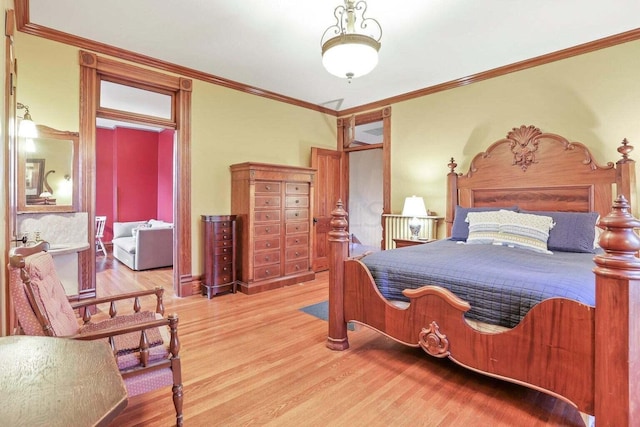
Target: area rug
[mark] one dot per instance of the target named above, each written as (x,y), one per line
(321,311)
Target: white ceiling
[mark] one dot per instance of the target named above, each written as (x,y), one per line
(274,45)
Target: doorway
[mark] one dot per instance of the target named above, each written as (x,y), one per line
(94,71)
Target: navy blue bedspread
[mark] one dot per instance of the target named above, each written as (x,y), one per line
(499,282)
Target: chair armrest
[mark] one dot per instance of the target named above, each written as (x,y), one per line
(158,292)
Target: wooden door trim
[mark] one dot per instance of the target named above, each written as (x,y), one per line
(94,68)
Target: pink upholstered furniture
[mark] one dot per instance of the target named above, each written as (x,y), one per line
(145,344)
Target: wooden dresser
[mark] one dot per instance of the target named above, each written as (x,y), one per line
(219,254)
(273,204)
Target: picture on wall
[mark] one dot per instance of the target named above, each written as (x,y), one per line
(34,177)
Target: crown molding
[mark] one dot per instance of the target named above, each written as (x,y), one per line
(23,25)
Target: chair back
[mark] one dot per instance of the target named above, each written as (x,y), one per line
(42,307)
(100,222)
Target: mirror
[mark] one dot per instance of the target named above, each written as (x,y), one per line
(48,171)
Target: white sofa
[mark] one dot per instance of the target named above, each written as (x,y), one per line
(142,245)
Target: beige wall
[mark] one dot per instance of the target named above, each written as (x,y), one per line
(228,126)
(593,98)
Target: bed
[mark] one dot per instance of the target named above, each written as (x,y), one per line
(555,341)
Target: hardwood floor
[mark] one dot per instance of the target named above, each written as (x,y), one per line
(259,360)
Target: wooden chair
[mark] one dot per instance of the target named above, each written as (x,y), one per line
(100,222)
(145,344)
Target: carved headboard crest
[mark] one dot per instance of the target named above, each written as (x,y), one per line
(524,144)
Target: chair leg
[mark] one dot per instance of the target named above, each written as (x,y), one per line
(100,247)
(177,403)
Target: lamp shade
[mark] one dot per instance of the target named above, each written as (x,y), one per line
(414,206)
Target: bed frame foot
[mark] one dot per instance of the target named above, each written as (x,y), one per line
(337,344)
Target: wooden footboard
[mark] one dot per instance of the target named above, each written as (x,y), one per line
(562,347)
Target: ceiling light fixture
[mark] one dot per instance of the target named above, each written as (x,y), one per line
(27,128)
(350,46)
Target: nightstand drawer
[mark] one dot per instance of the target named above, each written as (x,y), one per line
(297,188)
(267,230)
(264,258)
(267,187)
(266,216)
(297,227)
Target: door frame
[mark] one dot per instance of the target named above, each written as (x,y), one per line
(93,69)
(346,134)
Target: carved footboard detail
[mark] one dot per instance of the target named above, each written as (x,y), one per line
(433,342)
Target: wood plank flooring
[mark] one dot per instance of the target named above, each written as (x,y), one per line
(259,360)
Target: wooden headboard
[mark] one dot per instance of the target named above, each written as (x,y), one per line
(541,171)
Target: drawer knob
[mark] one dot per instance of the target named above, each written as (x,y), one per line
(224,236)
(297,214)
(225,269)
(297,253)
(297,201)
(267,216)
(225,243)
(268,244)
(224,258)
(297,187)
(268,187)
(267,230)
(297,267)
(266,202)
(297,240)
(297,228)
(266,272)
(266,258)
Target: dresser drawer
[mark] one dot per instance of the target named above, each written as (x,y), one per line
(297,240)
(222,269)
(267,202)
(297,227)
(264,258)
(267,187)
(223,258)
(224,243)
(224,234)
(296,214)
(267,230)
(266,272)
(266,216)
(297,188)
(296,266)
(296,202)
(266,244)
(293,254)
(220,250)
(221,225)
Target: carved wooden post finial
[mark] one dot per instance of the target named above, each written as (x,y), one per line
(452,165)
(625,149)
(620,242)
(338,222)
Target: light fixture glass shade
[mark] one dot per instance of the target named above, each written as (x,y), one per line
(350,55)
(27,129)
(29,145)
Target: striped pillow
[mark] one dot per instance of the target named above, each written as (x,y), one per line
(484,227)
(525,231)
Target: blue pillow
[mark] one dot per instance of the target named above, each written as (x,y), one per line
(460,228)
(572,232)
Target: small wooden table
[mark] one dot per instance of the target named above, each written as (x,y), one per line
(401,243)
(49,381)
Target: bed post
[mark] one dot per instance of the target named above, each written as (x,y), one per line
(626,176)
(338,253)
(452,195)
(617,325)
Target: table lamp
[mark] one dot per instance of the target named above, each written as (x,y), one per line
(414,207)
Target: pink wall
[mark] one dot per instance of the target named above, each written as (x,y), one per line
(165,175)
(134,175)
(105,178)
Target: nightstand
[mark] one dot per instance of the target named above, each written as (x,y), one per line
(401,243)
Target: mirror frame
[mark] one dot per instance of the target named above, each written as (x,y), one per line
(46,132)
